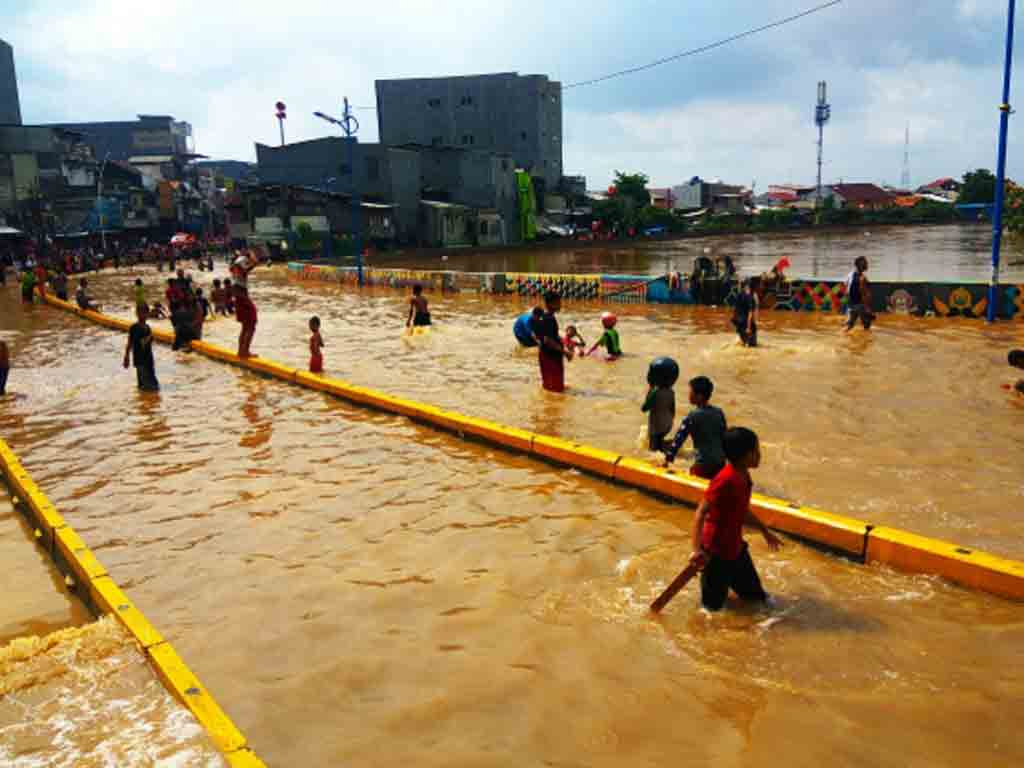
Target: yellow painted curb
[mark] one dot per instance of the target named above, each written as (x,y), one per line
(183,684)
(593,460)
(99,590)
(849,536)
(911,553)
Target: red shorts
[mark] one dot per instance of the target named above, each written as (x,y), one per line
(316,363)
(552,372)
(245,312)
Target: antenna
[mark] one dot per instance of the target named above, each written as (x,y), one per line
(905,178)
(822,114)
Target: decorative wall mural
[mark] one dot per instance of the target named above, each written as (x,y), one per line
(968,300)
(901,302)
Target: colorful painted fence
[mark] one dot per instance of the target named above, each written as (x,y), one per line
(798,295)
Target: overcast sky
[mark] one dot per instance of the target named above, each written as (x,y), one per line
(743,112)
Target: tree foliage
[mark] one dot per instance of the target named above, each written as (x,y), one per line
(979,187)
(632,187)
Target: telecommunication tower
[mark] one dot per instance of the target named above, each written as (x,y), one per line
(822,114)
(905,178)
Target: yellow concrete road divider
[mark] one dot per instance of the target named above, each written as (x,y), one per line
(912,553)
(85,573)
(858,539)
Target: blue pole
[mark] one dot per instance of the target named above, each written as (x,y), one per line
(997,213)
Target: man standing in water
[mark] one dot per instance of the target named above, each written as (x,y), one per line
(552,353)
(858,293)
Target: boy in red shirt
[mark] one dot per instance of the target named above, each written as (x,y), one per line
(718,526)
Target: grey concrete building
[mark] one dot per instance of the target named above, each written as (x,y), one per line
(10,105)
(484,181)
(383,174)
(506,113)
(148,137)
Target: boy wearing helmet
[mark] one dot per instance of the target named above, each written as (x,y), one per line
(610,338)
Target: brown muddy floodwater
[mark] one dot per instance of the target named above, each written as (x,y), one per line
(358,590)
(958,252)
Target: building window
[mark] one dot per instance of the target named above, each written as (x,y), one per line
(436,141)
(466,101)
(522,135)
(483,227)
(504,165)
(373,168)
(434,103)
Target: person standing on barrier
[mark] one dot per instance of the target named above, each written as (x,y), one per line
(858,294)
(139,351)
(552,353)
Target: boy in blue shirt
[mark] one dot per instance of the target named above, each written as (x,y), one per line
(706,425)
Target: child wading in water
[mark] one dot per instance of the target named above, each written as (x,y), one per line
(745,313)
(419,313)
(316,344)
(139,351)
(573,341)
(660,407)
(706,425)
(610,338)
(718,527)
(245,313)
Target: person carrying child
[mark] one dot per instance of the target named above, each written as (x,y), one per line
(139,351)
(316,345)
(574,342)
(419,311)
(610,338)
(706,425)
(660,403)
(718,527)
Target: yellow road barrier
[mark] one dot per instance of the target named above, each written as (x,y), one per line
(85,573)
(854,538)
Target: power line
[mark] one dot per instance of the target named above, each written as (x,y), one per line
(703,48)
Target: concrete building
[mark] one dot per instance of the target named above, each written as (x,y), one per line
(10,105)
(158,139)
(482,181)
(714,196)
(520,116)
(382,174)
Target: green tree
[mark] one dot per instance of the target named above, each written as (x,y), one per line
(632,187)
(979,187)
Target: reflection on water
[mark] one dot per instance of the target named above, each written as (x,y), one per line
(960,252)
(358,590)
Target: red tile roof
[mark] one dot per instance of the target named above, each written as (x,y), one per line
(859,194)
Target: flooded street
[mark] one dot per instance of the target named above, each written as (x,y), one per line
(358,590)
(959,252)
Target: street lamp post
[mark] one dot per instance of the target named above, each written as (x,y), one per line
(350,127)
(997,212)
(99,202)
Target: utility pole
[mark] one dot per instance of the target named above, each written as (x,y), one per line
(822,114)
(350,127)
(1004,124)
(99,203)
